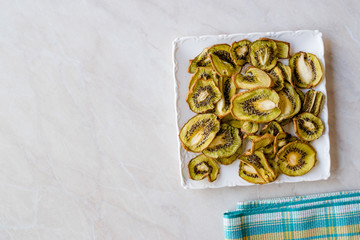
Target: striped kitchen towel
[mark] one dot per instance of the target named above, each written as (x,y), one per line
(321,216)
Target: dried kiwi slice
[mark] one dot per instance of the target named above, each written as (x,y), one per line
(308,127)
(221,60)
(258,160)
(205,73)
(228,90)
(286,72)
(261,142)
(314,102)
(199,132)
(249,127)
(249,173)
(301,95)
(307,70)
(239,51)
(225,144)
(296,158)
(201,60)
(281,140)
(283,49)
(257,105)
(290,103)
(203,95)
(201,167)
(273,128)
(276,75)
(231,159)
(253,78)
(263,54)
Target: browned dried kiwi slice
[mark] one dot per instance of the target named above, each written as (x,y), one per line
(201,167)
(228,90)
(199,132)
(314,102)
(203,95)
(257,105)
(273,128)
(307,70)
(258,160)
(231,159)
(276,75)
(286,72)
(201,60)
(296,158)
(263,54)
(249,173)
(225,143)
(205,73)
(290,103)
(239,51)
(308,127)
(221,60)
(253,78)
(261,142)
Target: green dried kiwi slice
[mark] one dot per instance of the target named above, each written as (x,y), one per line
(301,95)
(249,127)
(199,132)
(231,159)
(283,48)
(285,122)
(201,60)
(307,70)
(228,90)
(201,167)
(205,73)
(239,51)
(263,54)
(281,140)
(274,166)
(258,160)
(290,103)
(268,151)
(286,72)
(258,105)
(261,142)
(221,60)
(250,174)
(276,75)
(314,102)
(253,78)
(203,96)
(296,158)
(273,128)
(225,143)
(308,127)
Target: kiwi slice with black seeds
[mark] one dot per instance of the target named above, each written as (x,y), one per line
(249,173)
(308,127)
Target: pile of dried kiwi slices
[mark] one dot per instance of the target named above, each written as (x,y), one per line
(244,93)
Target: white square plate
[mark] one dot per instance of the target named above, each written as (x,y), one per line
(187,48)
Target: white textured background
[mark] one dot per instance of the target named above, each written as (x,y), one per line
(87,122)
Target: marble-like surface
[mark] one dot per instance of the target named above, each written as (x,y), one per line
(88,139)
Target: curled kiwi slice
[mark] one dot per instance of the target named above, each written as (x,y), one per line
(290,103)
(296,158)
(201,167)
(249,127)
(203,95)
(283,49)
(286,72)
(201,60)
(205,73)
(261,142)
(258,105)
(225,143)
(253,78)
(250,174)
(263,54)
(199,132)
(281,140)
(276,75)
(231,159)
(308,127)
(307,70)
(301,95)
(239,51)
(273,128)
(228,90)
(314,102)
(221,60)
(258,160)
